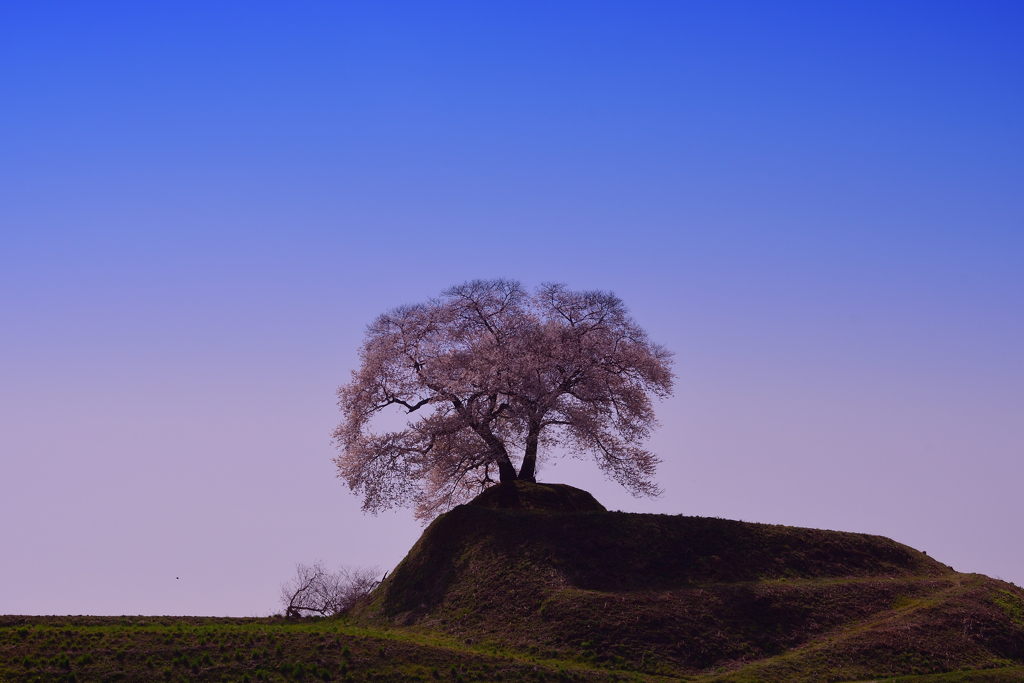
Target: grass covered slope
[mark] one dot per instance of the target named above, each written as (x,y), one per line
(695,596)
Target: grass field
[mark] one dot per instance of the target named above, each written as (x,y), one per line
(270,649)
(100,649)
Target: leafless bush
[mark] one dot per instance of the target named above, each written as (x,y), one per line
(316,591)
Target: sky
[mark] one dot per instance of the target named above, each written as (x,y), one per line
(818,207)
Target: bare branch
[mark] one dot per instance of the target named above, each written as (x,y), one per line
(316,591)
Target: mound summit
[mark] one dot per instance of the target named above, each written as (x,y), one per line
(544,568)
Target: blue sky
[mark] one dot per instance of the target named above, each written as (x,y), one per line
(818,207)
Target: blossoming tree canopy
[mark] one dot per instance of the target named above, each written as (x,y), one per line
(491,378)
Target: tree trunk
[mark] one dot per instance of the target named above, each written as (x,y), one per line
(529,468)
(506,472)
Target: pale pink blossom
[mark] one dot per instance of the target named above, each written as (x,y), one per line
(492,379)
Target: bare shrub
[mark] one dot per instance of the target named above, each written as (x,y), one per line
(316,591)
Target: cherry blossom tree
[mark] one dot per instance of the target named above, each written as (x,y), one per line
(492,378)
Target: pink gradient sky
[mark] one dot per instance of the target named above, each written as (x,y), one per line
(818,209)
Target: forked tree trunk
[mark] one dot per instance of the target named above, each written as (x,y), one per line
(506,470)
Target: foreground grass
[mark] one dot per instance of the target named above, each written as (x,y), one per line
(1013,674)
(82,649)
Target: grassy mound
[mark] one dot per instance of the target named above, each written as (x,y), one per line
(696,597)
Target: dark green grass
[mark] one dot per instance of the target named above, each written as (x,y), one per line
(83,649)
(1012,674)
(211,649)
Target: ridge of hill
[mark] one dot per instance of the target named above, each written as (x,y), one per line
(691,596)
